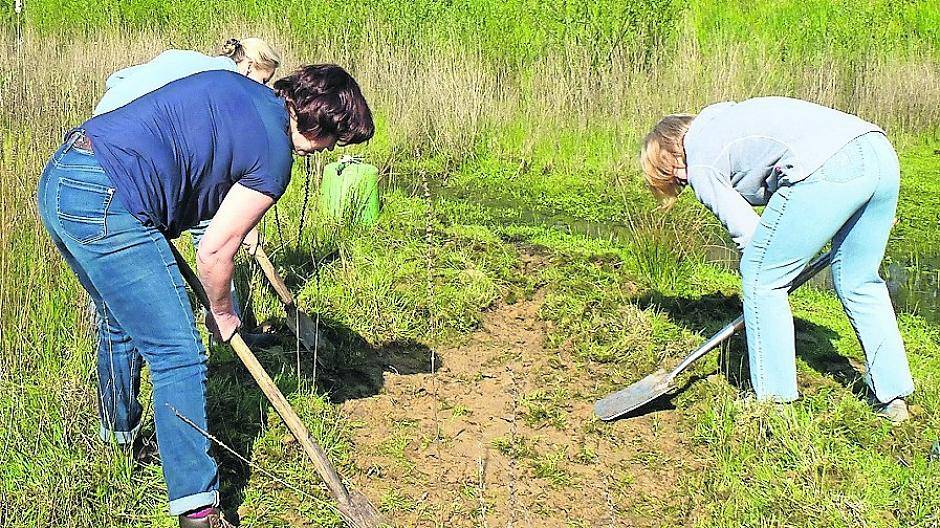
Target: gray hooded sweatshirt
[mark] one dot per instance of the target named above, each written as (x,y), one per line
(739,154)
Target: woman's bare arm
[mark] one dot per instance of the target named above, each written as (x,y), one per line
(241,210)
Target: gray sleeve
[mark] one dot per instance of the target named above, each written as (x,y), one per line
(163,57)
(727,204)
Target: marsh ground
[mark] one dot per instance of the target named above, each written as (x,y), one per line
(478,321)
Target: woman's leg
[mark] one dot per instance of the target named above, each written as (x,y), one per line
(858,249)
(119,363)
(132,269)
(797,222)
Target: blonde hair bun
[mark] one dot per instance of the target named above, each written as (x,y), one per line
(230,47)
(253,49)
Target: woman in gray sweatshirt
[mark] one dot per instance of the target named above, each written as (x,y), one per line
(823,176)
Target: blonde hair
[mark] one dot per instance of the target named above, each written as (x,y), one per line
(661,149)
(253,49)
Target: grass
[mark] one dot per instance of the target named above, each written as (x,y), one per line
(524,117)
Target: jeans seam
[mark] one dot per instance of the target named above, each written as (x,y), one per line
(105,322)
(166,264)
(84,167)
(837,283)
(78,167)
(762,376)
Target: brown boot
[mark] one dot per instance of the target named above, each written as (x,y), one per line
(212,518)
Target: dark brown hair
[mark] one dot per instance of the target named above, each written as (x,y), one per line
(327,101)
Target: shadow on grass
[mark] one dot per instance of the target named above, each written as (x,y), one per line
(710,313)
(237,408)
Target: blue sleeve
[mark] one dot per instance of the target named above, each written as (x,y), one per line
(271,173)
(727,204)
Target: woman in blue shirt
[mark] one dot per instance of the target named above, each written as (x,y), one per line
(823,176)
(211,145)
(251,57)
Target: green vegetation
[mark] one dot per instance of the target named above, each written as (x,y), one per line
(523,118)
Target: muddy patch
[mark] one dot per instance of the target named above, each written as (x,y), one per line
(502,434)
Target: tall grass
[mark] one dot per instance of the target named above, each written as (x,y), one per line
(564,86)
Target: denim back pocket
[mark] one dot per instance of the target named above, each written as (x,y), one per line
(844,166)
(82,208)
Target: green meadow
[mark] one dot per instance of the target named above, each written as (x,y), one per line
(519,271)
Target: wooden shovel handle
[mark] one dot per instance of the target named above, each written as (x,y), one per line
(320,461)
(273,277)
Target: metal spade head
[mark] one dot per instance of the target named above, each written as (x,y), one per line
(358,512)
(635,396)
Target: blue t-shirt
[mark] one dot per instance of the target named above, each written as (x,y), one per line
(174,153)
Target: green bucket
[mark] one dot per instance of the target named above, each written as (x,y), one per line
(349,192)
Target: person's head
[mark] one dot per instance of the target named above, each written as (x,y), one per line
(663,157)
(326,108)
(253,58)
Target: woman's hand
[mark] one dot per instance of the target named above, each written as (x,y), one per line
(250,243)
(223,325)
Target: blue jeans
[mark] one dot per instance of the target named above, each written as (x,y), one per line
(131,275)
(850,200)
(131,385)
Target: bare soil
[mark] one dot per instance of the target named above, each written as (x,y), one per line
(503,434)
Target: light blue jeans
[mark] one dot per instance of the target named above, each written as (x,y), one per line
(850,200)
(131,275)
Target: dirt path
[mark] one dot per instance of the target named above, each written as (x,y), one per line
(503,435)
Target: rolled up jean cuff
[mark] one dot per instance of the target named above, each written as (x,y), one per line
(904,393)
(192,502)
(121,437)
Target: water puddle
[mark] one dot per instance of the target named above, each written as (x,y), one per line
(913,280)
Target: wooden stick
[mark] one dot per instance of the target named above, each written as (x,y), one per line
(276,281)
(320,461)
(297,320)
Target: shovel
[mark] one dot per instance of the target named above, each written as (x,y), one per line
(662,381)
(299,322)
(353,506)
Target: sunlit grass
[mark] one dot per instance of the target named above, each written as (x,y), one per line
(525,116)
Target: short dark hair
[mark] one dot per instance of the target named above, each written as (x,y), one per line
(327,101)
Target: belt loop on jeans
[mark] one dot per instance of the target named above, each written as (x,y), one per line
(79,139)
(68,139)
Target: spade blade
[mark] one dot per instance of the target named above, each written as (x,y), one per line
(634,396)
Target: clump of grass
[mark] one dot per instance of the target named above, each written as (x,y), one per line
(395,501)
(517,448)
(550,466)
(543,408)
(662,252)
(586,454)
